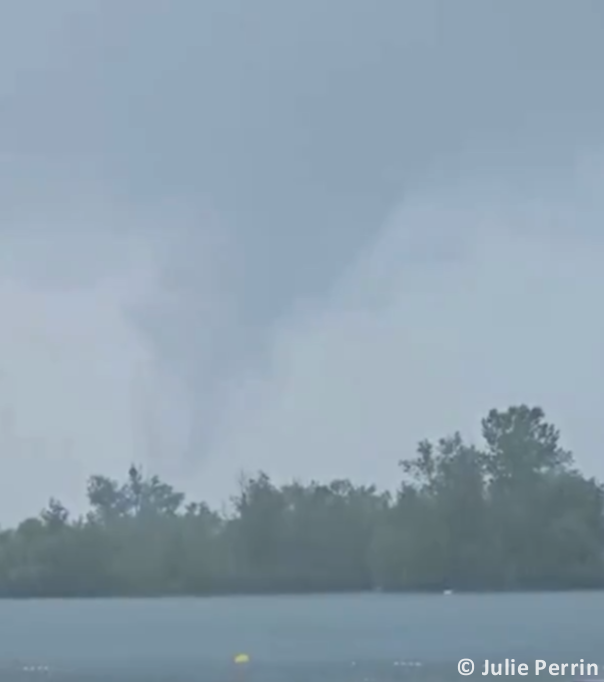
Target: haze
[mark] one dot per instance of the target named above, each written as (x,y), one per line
(292,236)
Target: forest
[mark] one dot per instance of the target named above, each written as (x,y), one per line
(510,513)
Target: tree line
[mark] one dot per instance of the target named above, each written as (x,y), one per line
(511,514)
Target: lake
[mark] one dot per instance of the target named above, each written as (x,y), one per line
(347,638)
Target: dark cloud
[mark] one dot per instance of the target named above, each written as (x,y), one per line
(189,184)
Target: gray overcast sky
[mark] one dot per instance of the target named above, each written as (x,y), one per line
(296,236)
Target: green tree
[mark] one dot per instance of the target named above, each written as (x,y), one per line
(511,513)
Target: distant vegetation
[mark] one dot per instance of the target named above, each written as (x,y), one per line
(512,514)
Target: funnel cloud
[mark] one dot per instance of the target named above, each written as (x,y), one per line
(291,238)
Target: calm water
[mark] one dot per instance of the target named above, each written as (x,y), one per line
(374,637)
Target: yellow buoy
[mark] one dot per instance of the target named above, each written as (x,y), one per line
(241,658)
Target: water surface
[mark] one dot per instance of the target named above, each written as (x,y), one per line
(314,638)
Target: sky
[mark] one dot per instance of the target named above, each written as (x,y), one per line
(297,237)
